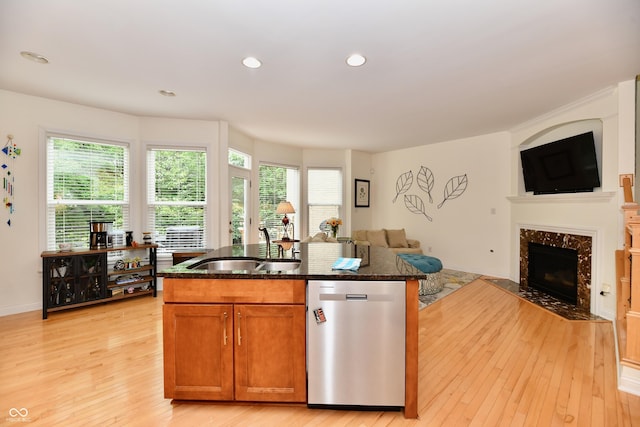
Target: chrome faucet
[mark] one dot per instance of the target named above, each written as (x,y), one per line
(266,236)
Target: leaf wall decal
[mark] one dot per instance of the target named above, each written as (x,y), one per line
(454,188)
(403,183)
(416,205)
(426,181)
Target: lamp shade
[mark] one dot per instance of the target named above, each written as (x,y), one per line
(285,208)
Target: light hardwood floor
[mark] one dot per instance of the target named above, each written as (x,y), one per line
(486,358)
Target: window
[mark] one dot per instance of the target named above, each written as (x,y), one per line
(239,159)
(86,181)
(277,184)
(176,198)
(240,190)
(324,189)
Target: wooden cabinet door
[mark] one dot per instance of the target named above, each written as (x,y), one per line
(270,353)
(198,351)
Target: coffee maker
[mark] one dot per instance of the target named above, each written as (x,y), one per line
(98,234)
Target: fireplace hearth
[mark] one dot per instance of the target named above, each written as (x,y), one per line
(581,244)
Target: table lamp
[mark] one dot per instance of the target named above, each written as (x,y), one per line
(285,208)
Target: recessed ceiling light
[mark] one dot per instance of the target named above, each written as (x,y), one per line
(251,62)
(356,60)
(31,56)
(167,92)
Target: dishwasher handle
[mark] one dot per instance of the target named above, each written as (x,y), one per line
(356,297)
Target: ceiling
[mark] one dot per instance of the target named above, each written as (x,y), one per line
(436,70)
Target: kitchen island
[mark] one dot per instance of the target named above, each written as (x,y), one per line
(238,334)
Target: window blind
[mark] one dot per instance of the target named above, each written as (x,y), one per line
(277,184)
(176,198)
(86,181)
(324,192)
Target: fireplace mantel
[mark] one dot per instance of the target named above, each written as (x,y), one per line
(595,197)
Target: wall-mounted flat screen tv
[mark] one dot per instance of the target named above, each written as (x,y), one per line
(569,165)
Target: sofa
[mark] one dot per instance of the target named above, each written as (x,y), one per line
(320,237)
(395,240)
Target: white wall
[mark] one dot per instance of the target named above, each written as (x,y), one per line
(470,232)
(360,168)
(474,232)
(598,212)
(27,118)
(157,132)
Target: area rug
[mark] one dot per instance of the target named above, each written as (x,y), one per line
(453,280)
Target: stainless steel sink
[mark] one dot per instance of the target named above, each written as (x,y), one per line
(227,264)
(279,265)
(235,264)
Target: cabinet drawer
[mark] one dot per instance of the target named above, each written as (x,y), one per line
(234,291)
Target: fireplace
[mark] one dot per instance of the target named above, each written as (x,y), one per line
(581,244)
(554,270)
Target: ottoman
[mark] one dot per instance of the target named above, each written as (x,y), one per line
(430,265)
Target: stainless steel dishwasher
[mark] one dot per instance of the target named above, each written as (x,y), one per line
(356,343)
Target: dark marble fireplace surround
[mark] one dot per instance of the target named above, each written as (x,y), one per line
(582,244)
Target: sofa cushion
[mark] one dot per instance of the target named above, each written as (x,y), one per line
(409,250)
(377,238)
(413,243)
(360,235)
(319,237)
(397,238)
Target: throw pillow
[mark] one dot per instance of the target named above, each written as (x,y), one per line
(377,238)
(397,238)
(359,235)
(319,237)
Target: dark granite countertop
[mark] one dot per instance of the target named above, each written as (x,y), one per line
(317,261)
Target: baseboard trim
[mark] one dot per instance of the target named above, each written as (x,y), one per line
(17,309)
(629,380)
(628,377)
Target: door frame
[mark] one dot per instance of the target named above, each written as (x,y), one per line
(236,172)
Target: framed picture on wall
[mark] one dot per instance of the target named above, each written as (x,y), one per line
(362,193)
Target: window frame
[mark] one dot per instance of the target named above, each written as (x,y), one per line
(150,204)
(340,207)
(49,201)
(293,196)
(247,159)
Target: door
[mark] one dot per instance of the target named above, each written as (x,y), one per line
(239,180)
(270,353)
(198,351)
